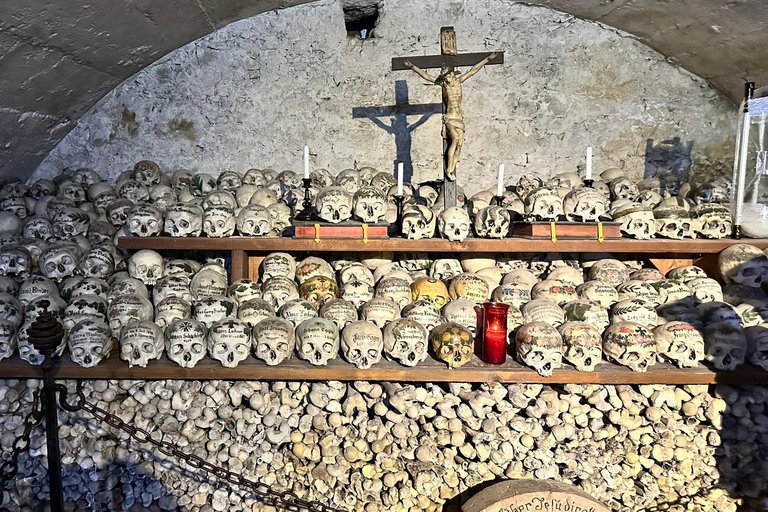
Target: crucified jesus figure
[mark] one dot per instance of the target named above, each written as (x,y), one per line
(450,82)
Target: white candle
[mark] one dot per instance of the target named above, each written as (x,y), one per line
(589,163)
(306,161)
(500,188)
(400,178)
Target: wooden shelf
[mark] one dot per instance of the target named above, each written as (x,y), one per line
(429,371)
(473,245)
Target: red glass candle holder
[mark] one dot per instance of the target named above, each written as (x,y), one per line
(492,332)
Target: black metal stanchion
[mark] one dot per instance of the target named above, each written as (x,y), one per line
(45,334)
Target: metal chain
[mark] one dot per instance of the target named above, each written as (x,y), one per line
(285,498)
(10,467)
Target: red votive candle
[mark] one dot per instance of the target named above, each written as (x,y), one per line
(494,333)
(495,347)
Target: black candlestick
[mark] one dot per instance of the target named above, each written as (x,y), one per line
(499,200)
(399,200)
(736,232)
(588,183)
(306,214)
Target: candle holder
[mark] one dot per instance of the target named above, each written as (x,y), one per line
(499,200)
(399,200)
(492,332)
(588,183)
(306,214)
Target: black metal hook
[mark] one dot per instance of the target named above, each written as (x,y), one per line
(63,392)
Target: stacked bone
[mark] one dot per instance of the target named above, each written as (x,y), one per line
(369,446)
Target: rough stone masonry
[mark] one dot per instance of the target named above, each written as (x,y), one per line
(253,93)
(385,446)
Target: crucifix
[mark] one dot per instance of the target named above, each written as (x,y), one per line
(450,82)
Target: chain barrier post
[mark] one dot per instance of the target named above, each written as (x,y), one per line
(45,334)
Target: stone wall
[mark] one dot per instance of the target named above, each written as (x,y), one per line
(252,93)
(381,446)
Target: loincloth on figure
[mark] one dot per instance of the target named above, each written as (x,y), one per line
(454,122)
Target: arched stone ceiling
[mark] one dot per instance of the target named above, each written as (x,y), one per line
(58,58)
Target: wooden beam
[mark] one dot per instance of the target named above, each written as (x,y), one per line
(437,61)
(239,265)
(429,371)
(660,248)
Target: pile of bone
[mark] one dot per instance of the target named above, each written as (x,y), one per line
(370,446)
(560,309)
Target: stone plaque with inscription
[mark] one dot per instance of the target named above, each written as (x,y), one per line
(532,496)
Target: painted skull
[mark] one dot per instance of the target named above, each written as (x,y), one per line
(317,340)
(542,310)
(540,346)
(90,341)
(229,341)
(278,264)
(147,173)
(674,222)
(334,204)
(714,220)
(274,340)
(58,262)
(631,345)
(610,271)
(623,188)
(213,308)
(469,286)
(582,345)
(419,222)
(433,290)
(127,307)
(38,227)
(117,212)
(555,290)
(757,337)
(362,344)
(278,290)
(185,342)
(71,190)
(97,262)
(356,271)
(219,198)
(396,289)
(679,343)
(254,311)
(161,196)
(144,221)
(636,220)
(183,219)
(15,262)
(244,290)
(229,181)
(493,222)
(585,205)
(176,285)
(70,222)
(705,289)
(84,306)
(543,204)
(453,344)
(406,341)
(296,311)
(254,220)
(726,345)
(141,342)
(318,290)
(169,309)
(635,310)
(380,311)
(454,224)
(743,264)
(583,310)
(445,268)
(369,205)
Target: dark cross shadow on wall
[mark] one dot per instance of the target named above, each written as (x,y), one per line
(398,122)
(670,161)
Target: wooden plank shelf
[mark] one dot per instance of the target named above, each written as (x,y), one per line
(471,245)
(429,371)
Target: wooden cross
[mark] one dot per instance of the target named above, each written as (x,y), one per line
(453,122)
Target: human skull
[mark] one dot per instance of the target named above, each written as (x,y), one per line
(757,337)
(318,290)
(679,343)
(213,308)
(583,310)
(340,311)
(369,205)
(555,290)
(543,204)
(743,264)
(218,222)
(254,177)
(58,262)
(349,180)
(210,280)
(610,271)
(202,184)
(429,194)
(278,264)
(705,289)
(254,311)
(254,220)
(623,188)
(147,266)
(317,340)
(15,262)
(454,224)
(380,310)
(219,198)
(90,341)
(36,286)
(133,191)
(582,345)
(38,227)
(674,222)
(176,285)
(720,312)
(313,266)
(147,173)
(42,188)
(469,286)
(117,212)
(12,309)
(493,222)
(16,205)
(630,344)
(169,309)
(126,285)
(462,312)
(274,340)
(161,196)
(362,343)
(141,342)
(396,289)
(244,290)
(686,273)
(726,345)
(585,205)
(144,221)
(98,262)
(637,221)
(278,290)
(84,306)
(334,204)
(542,310)
(540,346)
(419,222)
(424,312)
(126,307)
(405,340)
(296,311)
(433,290)
(183,219)
(714,220)
(281,217)
(229,341)
(70,222)
(185,342)
(71,190)
(445,269)
(8,339)
(635,310)
(356,271)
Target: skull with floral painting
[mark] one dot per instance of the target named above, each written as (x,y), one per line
(318,290)
(582,345)
(630,344)
(540,346)
(369,205)
(679,343)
